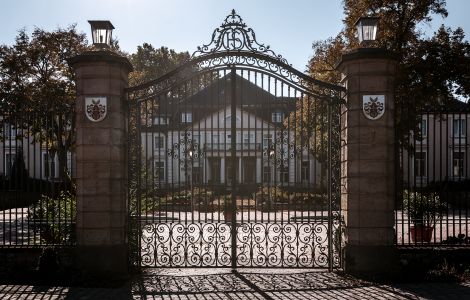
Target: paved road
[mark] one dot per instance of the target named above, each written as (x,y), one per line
(251,285)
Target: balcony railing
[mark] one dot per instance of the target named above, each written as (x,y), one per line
(228,146)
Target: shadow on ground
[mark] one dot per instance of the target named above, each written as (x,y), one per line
(210,284)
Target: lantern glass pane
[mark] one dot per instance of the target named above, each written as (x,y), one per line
(369,32)
(100,36)
(367,29)
(359,32)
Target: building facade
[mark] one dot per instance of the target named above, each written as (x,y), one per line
(440,150)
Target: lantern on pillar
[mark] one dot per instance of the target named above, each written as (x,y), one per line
(101,33)
(367,30)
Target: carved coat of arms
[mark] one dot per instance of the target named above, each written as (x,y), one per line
(373,106)
(95,108)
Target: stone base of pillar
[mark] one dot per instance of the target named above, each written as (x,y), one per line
(371,261)
(104,261)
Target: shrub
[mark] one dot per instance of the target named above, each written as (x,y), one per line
(308,200)
(267,198)
(54,218)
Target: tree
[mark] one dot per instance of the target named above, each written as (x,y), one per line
(150,63)
(431,69)
(37,88)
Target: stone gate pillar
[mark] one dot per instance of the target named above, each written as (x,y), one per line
(368,159)
(101,161)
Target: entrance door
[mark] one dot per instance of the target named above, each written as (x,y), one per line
(214,175)
(249,169)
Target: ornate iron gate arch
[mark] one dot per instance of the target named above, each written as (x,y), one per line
(234,161)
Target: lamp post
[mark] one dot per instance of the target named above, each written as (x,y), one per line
(367,30)
(190,154)
(101,33)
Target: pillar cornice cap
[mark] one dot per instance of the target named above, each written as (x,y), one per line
(100,56)
(366,53)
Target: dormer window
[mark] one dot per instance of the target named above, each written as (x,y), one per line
(277,117)
(160,120)
(186,117)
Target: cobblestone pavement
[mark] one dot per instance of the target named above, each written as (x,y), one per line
(245,284)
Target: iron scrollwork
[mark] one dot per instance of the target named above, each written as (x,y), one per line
(185,151)
(282,150)
(234,35)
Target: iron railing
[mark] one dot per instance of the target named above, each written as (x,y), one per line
(227,146)
(37,197)
(433,198)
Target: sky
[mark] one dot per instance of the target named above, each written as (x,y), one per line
(288,26)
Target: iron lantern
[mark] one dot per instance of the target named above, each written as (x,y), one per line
(367,29)
(101,33)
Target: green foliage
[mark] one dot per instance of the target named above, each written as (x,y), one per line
(55,218)
(268,197)
(151,63)
(423,208)
(309,200)
(431,69)
(37,87)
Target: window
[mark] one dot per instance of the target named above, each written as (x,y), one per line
(248,138)
(267,140)
(9,161)
(305,171)
(159,142)
(186,117)
(48,165)
(284,174)
(459,128)
(423,128)
(196,138)
(266,174)
(277,117)
(160,170)
(10,131)
(457,164)
(420,164)
(215,138)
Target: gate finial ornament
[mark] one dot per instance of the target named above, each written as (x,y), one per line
(234,35)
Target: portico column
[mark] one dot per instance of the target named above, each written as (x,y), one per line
(101,161)
(258,170)
(368,159)
(240,170)
(222,170)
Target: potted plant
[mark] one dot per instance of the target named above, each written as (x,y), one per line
(423,210)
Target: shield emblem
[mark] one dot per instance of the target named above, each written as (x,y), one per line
(373,106)
(95,108)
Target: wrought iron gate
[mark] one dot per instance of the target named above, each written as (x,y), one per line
(234,161)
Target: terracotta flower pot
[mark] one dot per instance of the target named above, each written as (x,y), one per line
(421,233)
